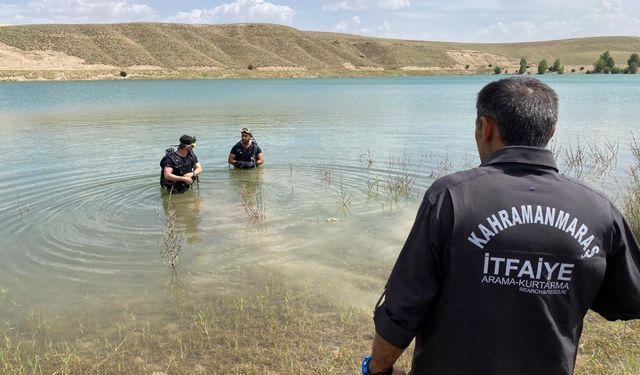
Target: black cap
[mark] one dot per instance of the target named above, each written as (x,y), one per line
(187,140)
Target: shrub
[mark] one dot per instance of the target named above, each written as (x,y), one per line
(542,66)
(605,64)
(634,63)
(523,66)
(123,73)
(599,66)
(497,70)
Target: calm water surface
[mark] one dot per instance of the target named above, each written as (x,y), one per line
(83,216)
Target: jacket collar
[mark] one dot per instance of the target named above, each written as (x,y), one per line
(523,155)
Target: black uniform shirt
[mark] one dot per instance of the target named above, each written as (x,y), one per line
(501,266)
(180,165)
(246,154)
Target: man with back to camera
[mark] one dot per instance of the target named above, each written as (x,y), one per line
(504,260)
(246,154)
(180,168)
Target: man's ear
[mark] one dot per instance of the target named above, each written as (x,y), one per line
(488,129)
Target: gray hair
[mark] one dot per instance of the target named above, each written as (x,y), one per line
(525,109)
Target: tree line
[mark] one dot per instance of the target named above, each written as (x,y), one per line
(605,64)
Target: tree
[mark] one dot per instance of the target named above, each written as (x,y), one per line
(634,63)
(604,64)
(556,66)
(523,66)
(606,56)
(497,70)
(599,66)
(542,66)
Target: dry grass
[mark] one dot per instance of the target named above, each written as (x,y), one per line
(275,331)
(186,51)
(632,196)
(586,160)
(609,348)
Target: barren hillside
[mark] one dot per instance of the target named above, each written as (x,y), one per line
(176,50)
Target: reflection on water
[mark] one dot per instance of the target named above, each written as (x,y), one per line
(247,183)
(349,161)
(186,209)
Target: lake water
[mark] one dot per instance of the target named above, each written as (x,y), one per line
(83,215)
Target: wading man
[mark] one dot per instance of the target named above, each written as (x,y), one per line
(246,153)
(180,168)
(504,260)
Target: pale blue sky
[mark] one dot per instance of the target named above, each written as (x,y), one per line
(447,20)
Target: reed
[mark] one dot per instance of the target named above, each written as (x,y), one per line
(367,159)
(325,175)
(171,239)
(586,160)
(343,198)
(632,194)
(373,187)
(443,168)
(252,202)
(399,186)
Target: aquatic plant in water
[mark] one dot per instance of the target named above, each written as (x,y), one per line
(172,239)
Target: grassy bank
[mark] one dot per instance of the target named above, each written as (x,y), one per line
(276,331)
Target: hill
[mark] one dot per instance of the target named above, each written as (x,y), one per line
(176,50)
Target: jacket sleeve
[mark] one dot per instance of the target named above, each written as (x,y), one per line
(415,280)
(619,294)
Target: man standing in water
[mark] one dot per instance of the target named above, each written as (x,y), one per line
(246,154)
(180,168)
(504,260)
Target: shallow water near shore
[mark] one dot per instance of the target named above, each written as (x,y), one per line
(83,214)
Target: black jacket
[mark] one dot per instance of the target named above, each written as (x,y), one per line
(501,266)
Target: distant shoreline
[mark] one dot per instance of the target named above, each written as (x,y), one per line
(115,75)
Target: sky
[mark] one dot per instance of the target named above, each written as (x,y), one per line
(484,21)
